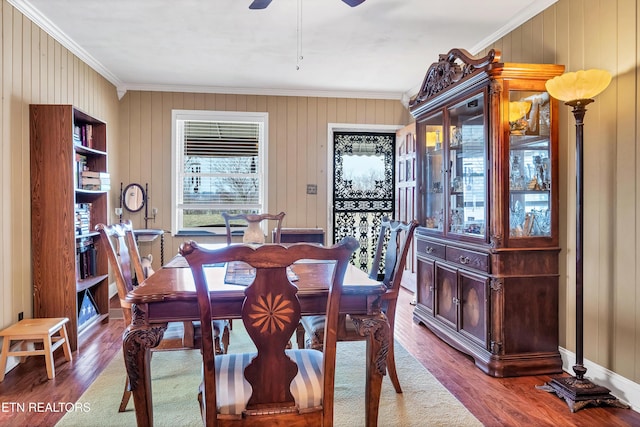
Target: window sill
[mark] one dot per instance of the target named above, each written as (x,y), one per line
(206,233)
(197,233)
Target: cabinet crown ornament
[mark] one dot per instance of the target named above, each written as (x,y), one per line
(451,68)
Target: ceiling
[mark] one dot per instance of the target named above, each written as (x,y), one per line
(379,49)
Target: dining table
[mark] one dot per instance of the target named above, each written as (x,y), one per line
(169,295)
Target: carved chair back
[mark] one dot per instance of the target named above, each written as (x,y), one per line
(253,218)
(394,241)
(392,247)
(119,243)
(270,313)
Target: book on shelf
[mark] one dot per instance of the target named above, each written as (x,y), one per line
(88,136)
(86,259)
(83,218)
(84,242)
(96,187)
(83,135)
(94,181)
(81,165)
(77,135)
(95,174)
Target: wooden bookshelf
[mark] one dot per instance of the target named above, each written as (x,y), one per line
(64,141)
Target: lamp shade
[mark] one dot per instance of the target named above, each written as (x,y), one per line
(518,109)
(583,84)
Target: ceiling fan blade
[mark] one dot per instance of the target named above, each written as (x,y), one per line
(353,3)
(259,4)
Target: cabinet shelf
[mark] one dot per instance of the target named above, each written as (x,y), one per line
(529,142)
(477,143)
(530,191)
(81,192)
(85,235)
(89,282)
(81,149)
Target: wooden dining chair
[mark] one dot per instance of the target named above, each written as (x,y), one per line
(253,222)
(255,219)
(396,237)
(118,241)
(274,386)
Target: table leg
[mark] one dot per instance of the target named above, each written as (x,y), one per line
(138,339)
(376,329)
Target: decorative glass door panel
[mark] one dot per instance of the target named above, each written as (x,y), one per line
(467,168)
(364,191)
(434,174)
(530,164)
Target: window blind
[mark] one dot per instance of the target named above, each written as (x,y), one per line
(221,163)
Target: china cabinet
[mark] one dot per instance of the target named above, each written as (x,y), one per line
(69,183)
(487,248)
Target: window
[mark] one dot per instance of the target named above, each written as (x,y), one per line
(218,166)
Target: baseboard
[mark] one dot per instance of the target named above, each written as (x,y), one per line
(624,389)
(113,290)
(409,281)
(13,361)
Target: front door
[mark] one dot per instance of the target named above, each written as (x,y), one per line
(406,193)
(363,191)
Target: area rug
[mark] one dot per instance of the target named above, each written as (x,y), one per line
(176,376)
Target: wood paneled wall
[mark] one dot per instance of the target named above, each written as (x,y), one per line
(297,144)
(583,34)
(35,69)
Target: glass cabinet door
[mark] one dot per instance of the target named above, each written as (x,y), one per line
(467,167)
(434,172)
(529,164)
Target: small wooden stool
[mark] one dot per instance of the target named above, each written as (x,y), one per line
(33,330)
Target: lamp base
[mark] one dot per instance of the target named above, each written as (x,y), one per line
(579,393)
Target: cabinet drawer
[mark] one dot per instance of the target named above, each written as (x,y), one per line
(431,249)
(468,258)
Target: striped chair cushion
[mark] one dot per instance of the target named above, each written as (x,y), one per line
(217,325)
(233,391)
(314,326)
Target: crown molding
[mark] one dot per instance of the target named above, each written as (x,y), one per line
(260,91)
(50,28)
(520,18)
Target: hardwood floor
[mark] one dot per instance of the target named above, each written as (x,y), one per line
(27,384)
(495,402)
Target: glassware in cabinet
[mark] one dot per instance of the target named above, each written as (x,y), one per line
(529,164)
(467,167)
(434,172)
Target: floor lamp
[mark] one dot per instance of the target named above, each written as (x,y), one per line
(577,90)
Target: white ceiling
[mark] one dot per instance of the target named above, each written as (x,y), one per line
(380,49)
